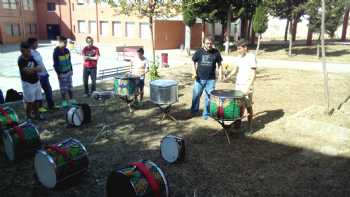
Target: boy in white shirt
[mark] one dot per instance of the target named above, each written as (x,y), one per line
(246,71)
(140,68)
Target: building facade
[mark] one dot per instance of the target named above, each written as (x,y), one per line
(18,20)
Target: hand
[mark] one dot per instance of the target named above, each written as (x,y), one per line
(194,76)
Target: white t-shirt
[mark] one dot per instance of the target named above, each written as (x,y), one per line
(139,67)
(39,60)
(245,65)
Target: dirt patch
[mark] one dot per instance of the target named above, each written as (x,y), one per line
(252,166)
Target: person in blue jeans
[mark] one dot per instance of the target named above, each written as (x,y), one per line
(207,61)
(43,75)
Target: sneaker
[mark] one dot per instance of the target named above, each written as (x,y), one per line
(42,109)
(64,103)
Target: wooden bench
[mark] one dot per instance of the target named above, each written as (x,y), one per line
(127,52)
(113,72)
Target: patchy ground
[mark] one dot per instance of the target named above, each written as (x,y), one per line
(260,165)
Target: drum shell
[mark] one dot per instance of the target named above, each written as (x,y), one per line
(134,183)
(225,108)
(21,149)
(3,119)
(164,95)
(180,145)
(65,168)
(83,109)
(124,86)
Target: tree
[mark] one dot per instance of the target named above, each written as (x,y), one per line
(291,10)
(346,19)
(260,23)
(189,20)
(147,8)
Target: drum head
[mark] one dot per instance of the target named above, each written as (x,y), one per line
(78,117)
(45,169)
(8,145)
(169,149)
(227,93)
(164,83)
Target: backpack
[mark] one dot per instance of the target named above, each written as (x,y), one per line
(13,95)
(2,100)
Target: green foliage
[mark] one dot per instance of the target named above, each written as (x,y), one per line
(333,18)
(286,9)
(260,20)
(153,70)
(189,17)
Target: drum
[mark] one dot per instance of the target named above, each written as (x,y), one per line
(138,179)
(102,95)
(164,92)
(225,104)
(126,85)
(57,163)
(8,117)
(78,115)
(22,140)
(172,148)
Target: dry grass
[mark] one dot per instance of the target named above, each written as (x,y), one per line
(249,166)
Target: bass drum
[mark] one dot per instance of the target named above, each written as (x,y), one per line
(22,140)
(138,179)
(59,162)
(172,148)
(78,115)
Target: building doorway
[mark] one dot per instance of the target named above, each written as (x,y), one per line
(53,31)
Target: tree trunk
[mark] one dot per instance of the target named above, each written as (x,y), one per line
(188,39)
(325,74)
(290,40)
(295,26)
(286,31)
(318,46)
(203,30)
(258,45)
(152,39)
(252,37)
(247,36)
(309,37)
(213,29)
(243,27)
(228,29)
(345,24)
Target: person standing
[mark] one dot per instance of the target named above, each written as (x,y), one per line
(29,69)
(140,68)
(207,61)
(246,66)
(64,70)
(43,75)
(90,55)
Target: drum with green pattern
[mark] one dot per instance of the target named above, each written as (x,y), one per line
(7,117)
(21,140)
(126,85)
(225,104)
(59,162)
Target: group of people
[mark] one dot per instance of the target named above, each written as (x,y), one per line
(35,77)
(207,63)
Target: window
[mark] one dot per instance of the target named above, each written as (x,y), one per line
(30,5)
(104,28)
(51,7)
(81,26)
(12,29)
(25,4)
(130,30)
(80,2)
(92,27)
(145,32)
(117,29)
(9,4)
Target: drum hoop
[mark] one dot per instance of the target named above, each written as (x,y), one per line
(163,177)
(83,147)
(7,133)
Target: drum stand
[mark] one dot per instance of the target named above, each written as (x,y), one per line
(225,128)
(166,112)
(104,129)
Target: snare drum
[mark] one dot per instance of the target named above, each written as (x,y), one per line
(138,179)
(78,115)
(8,117)
(57,163)
(126,85)
(225,104)
(172,148)
(21,140)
